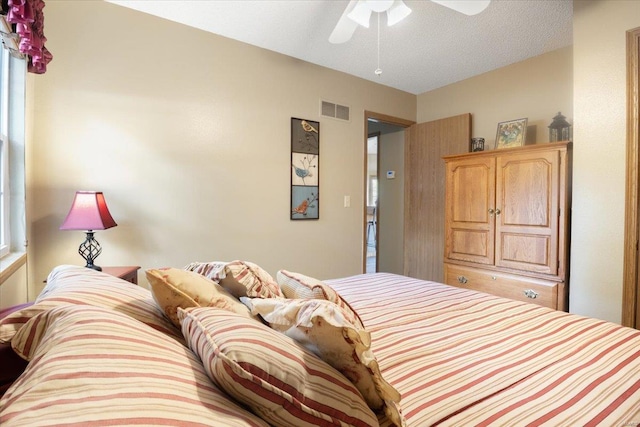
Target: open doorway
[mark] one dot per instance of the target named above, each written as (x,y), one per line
(371,240)
(384,194)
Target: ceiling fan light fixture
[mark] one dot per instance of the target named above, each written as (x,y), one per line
(397,12)
(361,13)
(358,12)
(468,7)
(379,5)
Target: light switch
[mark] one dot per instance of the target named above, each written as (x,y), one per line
(347,201)
(391,174)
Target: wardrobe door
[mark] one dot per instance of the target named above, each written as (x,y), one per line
(527,211)
(470,210)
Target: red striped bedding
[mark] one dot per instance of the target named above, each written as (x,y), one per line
(94,366)
(461,358)
(457,357)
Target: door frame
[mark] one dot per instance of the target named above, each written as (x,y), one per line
(631,285)
(397,121)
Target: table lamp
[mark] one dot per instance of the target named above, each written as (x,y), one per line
(89,212)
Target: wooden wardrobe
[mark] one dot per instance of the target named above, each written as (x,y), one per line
(507,215)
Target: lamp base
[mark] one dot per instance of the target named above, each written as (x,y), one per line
(89,250)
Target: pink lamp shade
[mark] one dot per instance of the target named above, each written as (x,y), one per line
(88,212)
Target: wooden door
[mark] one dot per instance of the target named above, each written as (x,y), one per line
(527,211)
(425,145)
(631,277)
(469,210)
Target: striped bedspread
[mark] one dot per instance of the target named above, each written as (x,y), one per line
(461,358)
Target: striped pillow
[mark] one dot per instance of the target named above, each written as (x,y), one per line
(240,278)
(12,365)
(278,379)
(322,327)
(94,366)
(79,285)
(299,286)
(173,288)
(12,323)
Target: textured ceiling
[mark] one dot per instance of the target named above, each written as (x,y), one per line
(433,47)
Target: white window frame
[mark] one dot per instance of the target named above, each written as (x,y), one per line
(5,224)
(5,230)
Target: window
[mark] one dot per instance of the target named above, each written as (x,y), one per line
(4,153)
(5,229)
(12,119)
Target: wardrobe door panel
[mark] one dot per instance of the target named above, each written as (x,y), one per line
(527,211)
(469,210)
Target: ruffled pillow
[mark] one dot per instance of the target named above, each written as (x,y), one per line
(240,278)
(299,286)
(322,327)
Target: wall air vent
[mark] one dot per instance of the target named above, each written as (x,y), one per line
(336,111)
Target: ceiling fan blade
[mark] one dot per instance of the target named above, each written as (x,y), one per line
(468,7)
(361,14)
(345,27)
(397,12)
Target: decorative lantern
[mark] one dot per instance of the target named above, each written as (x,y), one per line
(559,129)
(477,144)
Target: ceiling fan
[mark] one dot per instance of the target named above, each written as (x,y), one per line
(358,12)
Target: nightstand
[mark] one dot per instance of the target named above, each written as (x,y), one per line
(129,273)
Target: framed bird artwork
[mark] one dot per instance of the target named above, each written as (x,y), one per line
(305,169)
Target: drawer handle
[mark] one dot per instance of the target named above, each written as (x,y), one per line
(530,293)
(462,279)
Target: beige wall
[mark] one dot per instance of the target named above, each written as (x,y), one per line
(536,88)
(188,135)
(14,290)
(599,57)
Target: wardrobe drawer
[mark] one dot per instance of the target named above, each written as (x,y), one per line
(519,288)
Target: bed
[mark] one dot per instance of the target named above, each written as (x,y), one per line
(226,344)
